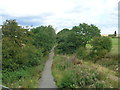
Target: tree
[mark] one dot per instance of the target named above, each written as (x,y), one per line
(115,33)
(69,43)
(62,35)
(44,38)
(17,48)
(70,40)
(86,32)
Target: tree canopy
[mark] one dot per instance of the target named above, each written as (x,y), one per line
(22,47)
(70,40)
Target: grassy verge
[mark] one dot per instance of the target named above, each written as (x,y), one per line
(85,75)
(27,78)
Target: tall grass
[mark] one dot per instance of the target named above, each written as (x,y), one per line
(85,75)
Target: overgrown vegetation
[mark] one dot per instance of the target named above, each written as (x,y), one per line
(111,60)
(85,75)
(85,59)
(24,51)
(100,47)
(76,41)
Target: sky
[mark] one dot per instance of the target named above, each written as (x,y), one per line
(62,13)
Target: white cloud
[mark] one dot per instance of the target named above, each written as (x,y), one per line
(64,13)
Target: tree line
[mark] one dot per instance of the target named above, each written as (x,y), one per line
(25,47)
(22,47)
(75,41)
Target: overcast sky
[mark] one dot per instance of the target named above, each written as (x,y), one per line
(62,13)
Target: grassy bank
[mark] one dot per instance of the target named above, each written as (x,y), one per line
(85,75)
(27,77)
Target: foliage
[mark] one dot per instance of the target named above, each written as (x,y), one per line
(75,76)
(44,38)
(27,77)
(81,53)
(111,59)
(22,48)
(70,45)
(17,49)
(70,40)
(100,46)
(87,32)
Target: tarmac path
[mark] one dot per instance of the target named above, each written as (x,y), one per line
(47,81)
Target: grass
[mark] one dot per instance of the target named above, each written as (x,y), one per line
(109,76)
(62,68)
(115,46)
(27,78)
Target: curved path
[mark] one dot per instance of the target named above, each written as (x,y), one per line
(47,80)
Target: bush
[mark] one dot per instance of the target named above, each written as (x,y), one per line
(100,47)
(81,53)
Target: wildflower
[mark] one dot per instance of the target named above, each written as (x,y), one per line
(117,69)
(19,86)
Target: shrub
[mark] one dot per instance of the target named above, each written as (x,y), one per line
(81,53)
(100,47)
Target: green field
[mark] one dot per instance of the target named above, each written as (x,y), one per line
(115,46)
